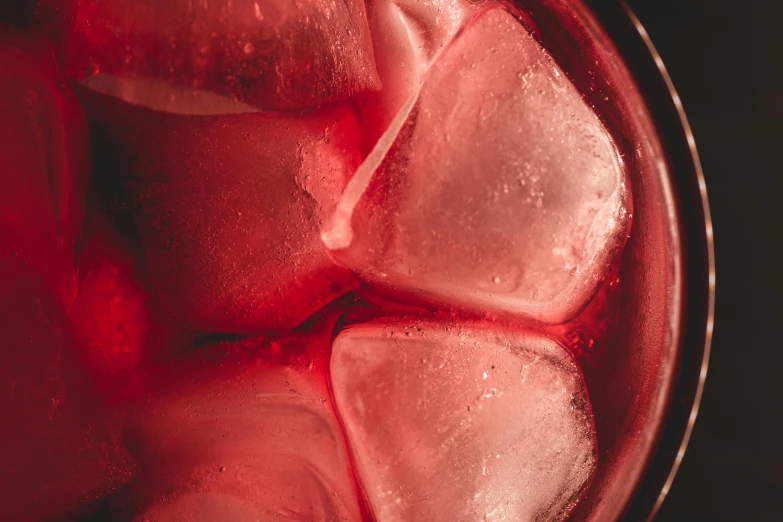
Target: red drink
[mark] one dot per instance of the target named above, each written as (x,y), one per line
(342,261)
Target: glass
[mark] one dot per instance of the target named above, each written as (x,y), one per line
(357,260)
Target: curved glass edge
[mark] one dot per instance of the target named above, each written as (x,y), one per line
(697,313)
(708,231)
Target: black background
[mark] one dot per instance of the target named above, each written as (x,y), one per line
(726,61)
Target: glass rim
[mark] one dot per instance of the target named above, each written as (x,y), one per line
(646,66)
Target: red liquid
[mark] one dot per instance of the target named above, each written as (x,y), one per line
(199,273)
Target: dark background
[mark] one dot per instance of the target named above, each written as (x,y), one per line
(726,60)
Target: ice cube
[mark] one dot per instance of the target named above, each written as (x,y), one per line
(501,191)
(238,433)
(462,423)
(228,208)
(407,35)
(274,54)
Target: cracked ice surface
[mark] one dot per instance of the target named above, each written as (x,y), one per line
(463,423)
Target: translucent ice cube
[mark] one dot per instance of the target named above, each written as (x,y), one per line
(496,188)
(275,54)
(234,435)
(463,423)
(228,208)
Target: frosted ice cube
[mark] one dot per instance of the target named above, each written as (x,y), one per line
(462,423)
(229,208)
(282,54)
(236,435)
(496,188)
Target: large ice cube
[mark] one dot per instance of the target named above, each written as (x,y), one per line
(275,54)
(241,433)
(500,191)
(229,208)
(462,423)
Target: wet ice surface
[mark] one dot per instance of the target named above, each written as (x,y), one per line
(236,435)
(501,190)
(282,54)
(462,423)
(228,208)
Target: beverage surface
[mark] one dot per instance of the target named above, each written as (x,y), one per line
(301,260)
